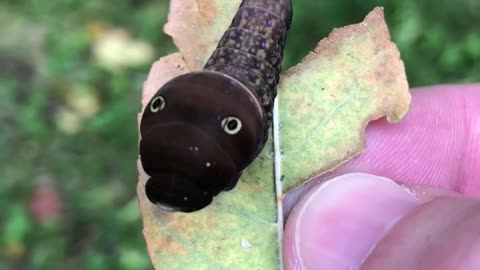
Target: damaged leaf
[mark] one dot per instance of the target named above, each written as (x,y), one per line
(247,214)
(352,77)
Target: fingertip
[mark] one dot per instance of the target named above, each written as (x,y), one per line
(441,234)
(335,225)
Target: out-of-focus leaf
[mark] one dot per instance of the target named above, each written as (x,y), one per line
(16,230)
(115,50)
(68,121)
(84,100)
(20,37)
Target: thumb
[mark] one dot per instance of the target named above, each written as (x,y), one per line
(353,219)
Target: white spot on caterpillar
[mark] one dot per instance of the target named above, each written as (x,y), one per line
(208,164)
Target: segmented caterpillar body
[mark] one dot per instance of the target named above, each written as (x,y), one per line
(202,129)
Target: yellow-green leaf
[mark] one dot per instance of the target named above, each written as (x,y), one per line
(325,102)
(197,26)
(237,231)
(352,77)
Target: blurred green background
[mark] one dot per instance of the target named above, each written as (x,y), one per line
(71,73)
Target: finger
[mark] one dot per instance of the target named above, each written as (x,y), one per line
(440,117)
(437,144)
(337,224)
(427,238)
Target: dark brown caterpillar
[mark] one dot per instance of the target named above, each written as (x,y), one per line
(202,129)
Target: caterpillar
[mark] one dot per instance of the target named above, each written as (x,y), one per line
(202,129)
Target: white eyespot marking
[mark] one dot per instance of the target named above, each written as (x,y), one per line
(231,125)
(185,198)
(157,104)
(208,164)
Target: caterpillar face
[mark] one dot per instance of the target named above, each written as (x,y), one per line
(201,129)
(199,132)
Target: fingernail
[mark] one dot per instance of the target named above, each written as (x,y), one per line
(336,225)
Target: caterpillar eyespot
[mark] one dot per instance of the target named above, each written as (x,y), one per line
(231,125)
(240,78)
(157,104)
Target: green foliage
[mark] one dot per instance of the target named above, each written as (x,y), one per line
(439,40)
(47,53)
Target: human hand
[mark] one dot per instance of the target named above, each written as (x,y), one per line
(361,221)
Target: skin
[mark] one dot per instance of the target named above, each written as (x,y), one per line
(432,224)
(359,217)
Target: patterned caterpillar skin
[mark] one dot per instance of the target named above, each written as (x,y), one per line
(202,129)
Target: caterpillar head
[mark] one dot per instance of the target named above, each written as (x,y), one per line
(199,131)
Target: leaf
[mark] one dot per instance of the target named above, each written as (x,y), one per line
(352,77)
(362,78)
(115,50)
(197,26)
(246,214)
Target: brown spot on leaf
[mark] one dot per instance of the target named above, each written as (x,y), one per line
(207,10)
